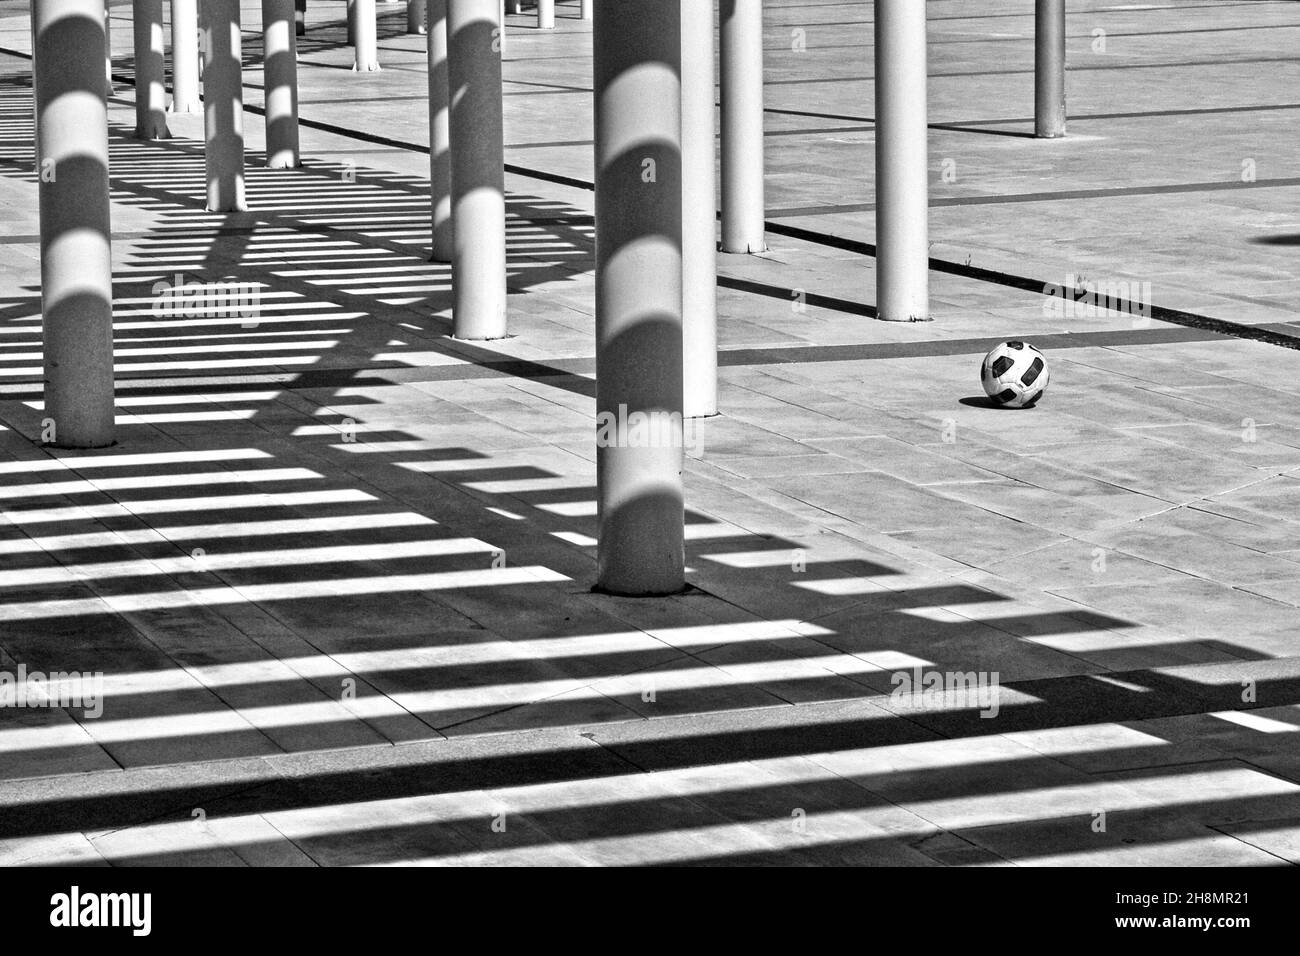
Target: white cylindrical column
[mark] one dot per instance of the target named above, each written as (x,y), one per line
(442,248)
(699,213)
(584,11)
(639,297)
(185,57)
(477,169)
(1049,69)
(741,49)
(280,79)
(223,106)
(902,173)
(150,69)
(108,47)
(365,36)
(416,11)
(76,258)
(546,14)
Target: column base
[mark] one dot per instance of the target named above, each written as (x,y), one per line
(903,318)
(153,133)
(63,447)
(611,592)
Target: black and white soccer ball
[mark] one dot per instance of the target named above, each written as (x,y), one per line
(1015,375)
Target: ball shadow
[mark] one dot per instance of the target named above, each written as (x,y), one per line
(983,401)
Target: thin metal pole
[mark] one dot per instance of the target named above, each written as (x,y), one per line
(223,110)
(365,37)
(902,176)
(150,69)
(185,57)
(280,77)
(477,169)
(639,297)
(741,49)
(1049,69)
(699,213)
(443,248)
(76,257)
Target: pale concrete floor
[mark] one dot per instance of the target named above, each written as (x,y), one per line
(313,654)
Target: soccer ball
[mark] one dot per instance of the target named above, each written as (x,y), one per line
(1015,375)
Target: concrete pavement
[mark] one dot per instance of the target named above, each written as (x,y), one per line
(336,572)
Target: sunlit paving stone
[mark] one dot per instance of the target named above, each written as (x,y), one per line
(238,560)
(173,505)
(254,593)
(1265,725)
